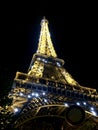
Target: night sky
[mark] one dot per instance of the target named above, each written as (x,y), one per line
(73,30)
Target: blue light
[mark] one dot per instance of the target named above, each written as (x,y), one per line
(92,108)
(21,94)
(94,113)
(78,103)
(66,104)
(84,103)
(29,96)
(43,93)
(16,110)
(45,100)
(36,94)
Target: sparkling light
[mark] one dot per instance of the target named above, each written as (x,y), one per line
(58,64)
(45,100)
(78,103)
(33,94)
(94,113)
(21,94)
(84,103)
(43,93)
(92,108)
(66,104)
(36,94)
(29,96)
(16,110)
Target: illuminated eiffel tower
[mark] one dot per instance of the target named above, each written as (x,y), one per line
(47,97)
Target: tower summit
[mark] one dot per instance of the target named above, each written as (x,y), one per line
(48,97)
(45,45)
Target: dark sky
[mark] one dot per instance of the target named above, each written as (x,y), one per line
(73,29)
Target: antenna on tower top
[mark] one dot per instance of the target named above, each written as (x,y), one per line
(44,20)
(44,17)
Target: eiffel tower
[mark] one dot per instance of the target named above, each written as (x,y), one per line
(47,97)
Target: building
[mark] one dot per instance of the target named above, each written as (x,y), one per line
(47,97)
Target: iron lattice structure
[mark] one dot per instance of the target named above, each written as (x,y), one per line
(47,96)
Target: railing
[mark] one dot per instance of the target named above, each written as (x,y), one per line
(25,78)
